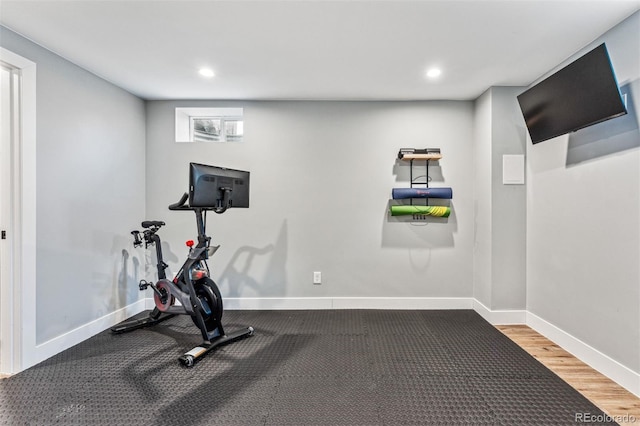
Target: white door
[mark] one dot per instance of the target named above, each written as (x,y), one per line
(9,114)
(5,128)
(18,349)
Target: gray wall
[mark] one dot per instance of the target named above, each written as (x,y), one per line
(583,220)
(508,203)
(321,180)
(90,191)
(500,210)
(482,194)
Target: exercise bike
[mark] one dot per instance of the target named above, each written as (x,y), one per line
(192,287)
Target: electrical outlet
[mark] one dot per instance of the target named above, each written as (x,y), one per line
(317,277)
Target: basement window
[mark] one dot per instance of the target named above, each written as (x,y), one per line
(209,125)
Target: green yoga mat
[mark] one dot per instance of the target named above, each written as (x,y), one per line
(440,211)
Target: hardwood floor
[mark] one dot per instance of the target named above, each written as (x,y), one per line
(617,402)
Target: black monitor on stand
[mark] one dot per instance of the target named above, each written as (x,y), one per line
(217,188)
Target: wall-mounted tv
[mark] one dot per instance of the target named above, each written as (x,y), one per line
(581,94)
(208,185)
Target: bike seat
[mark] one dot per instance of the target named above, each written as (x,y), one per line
(150,223)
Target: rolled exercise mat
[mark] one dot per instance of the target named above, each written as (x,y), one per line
(439,211)
(400,193)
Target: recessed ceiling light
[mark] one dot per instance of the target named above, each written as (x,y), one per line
(206,72)
(434,72)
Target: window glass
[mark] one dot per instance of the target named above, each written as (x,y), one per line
(209,125)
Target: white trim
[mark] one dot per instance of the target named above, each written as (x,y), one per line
(149,303)
(611,368)
(402,303)
(82,333)
(293,303)
(22,342)
(617,372)
(6,206)
(276,303)
(499,317)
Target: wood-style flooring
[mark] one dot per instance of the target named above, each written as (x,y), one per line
(617,402)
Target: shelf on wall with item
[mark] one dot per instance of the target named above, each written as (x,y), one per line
(410,157)
(420,189)
(409,154)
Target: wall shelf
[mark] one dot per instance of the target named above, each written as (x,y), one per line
(428,156)
(419,189)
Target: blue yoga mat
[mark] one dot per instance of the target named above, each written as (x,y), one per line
(401,193)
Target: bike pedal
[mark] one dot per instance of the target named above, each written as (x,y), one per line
(143,284)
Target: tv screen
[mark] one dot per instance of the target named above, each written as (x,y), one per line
(583,93)
(207,185)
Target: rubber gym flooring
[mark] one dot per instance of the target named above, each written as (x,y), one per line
(342,367)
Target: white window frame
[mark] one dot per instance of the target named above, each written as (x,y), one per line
(187,117)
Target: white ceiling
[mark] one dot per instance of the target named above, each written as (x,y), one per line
(314,49)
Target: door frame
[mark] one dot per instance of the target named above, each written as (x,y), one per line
(18,323)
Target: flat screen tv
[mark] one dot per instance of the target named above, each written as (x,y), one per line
(208,184)
(581,94)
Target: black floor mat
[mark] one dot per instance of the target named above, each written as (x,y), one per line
(341,367)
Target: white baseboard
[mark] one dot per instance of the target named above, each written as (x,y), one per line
(276,303)
(150,303)
(292,303)
(58,344)
(499,317)
(617,372)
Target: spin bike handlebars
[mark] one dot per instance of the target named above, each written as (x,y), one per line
(181,204)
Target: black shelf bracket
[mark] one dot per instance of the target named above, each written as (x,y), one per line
(426,178)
